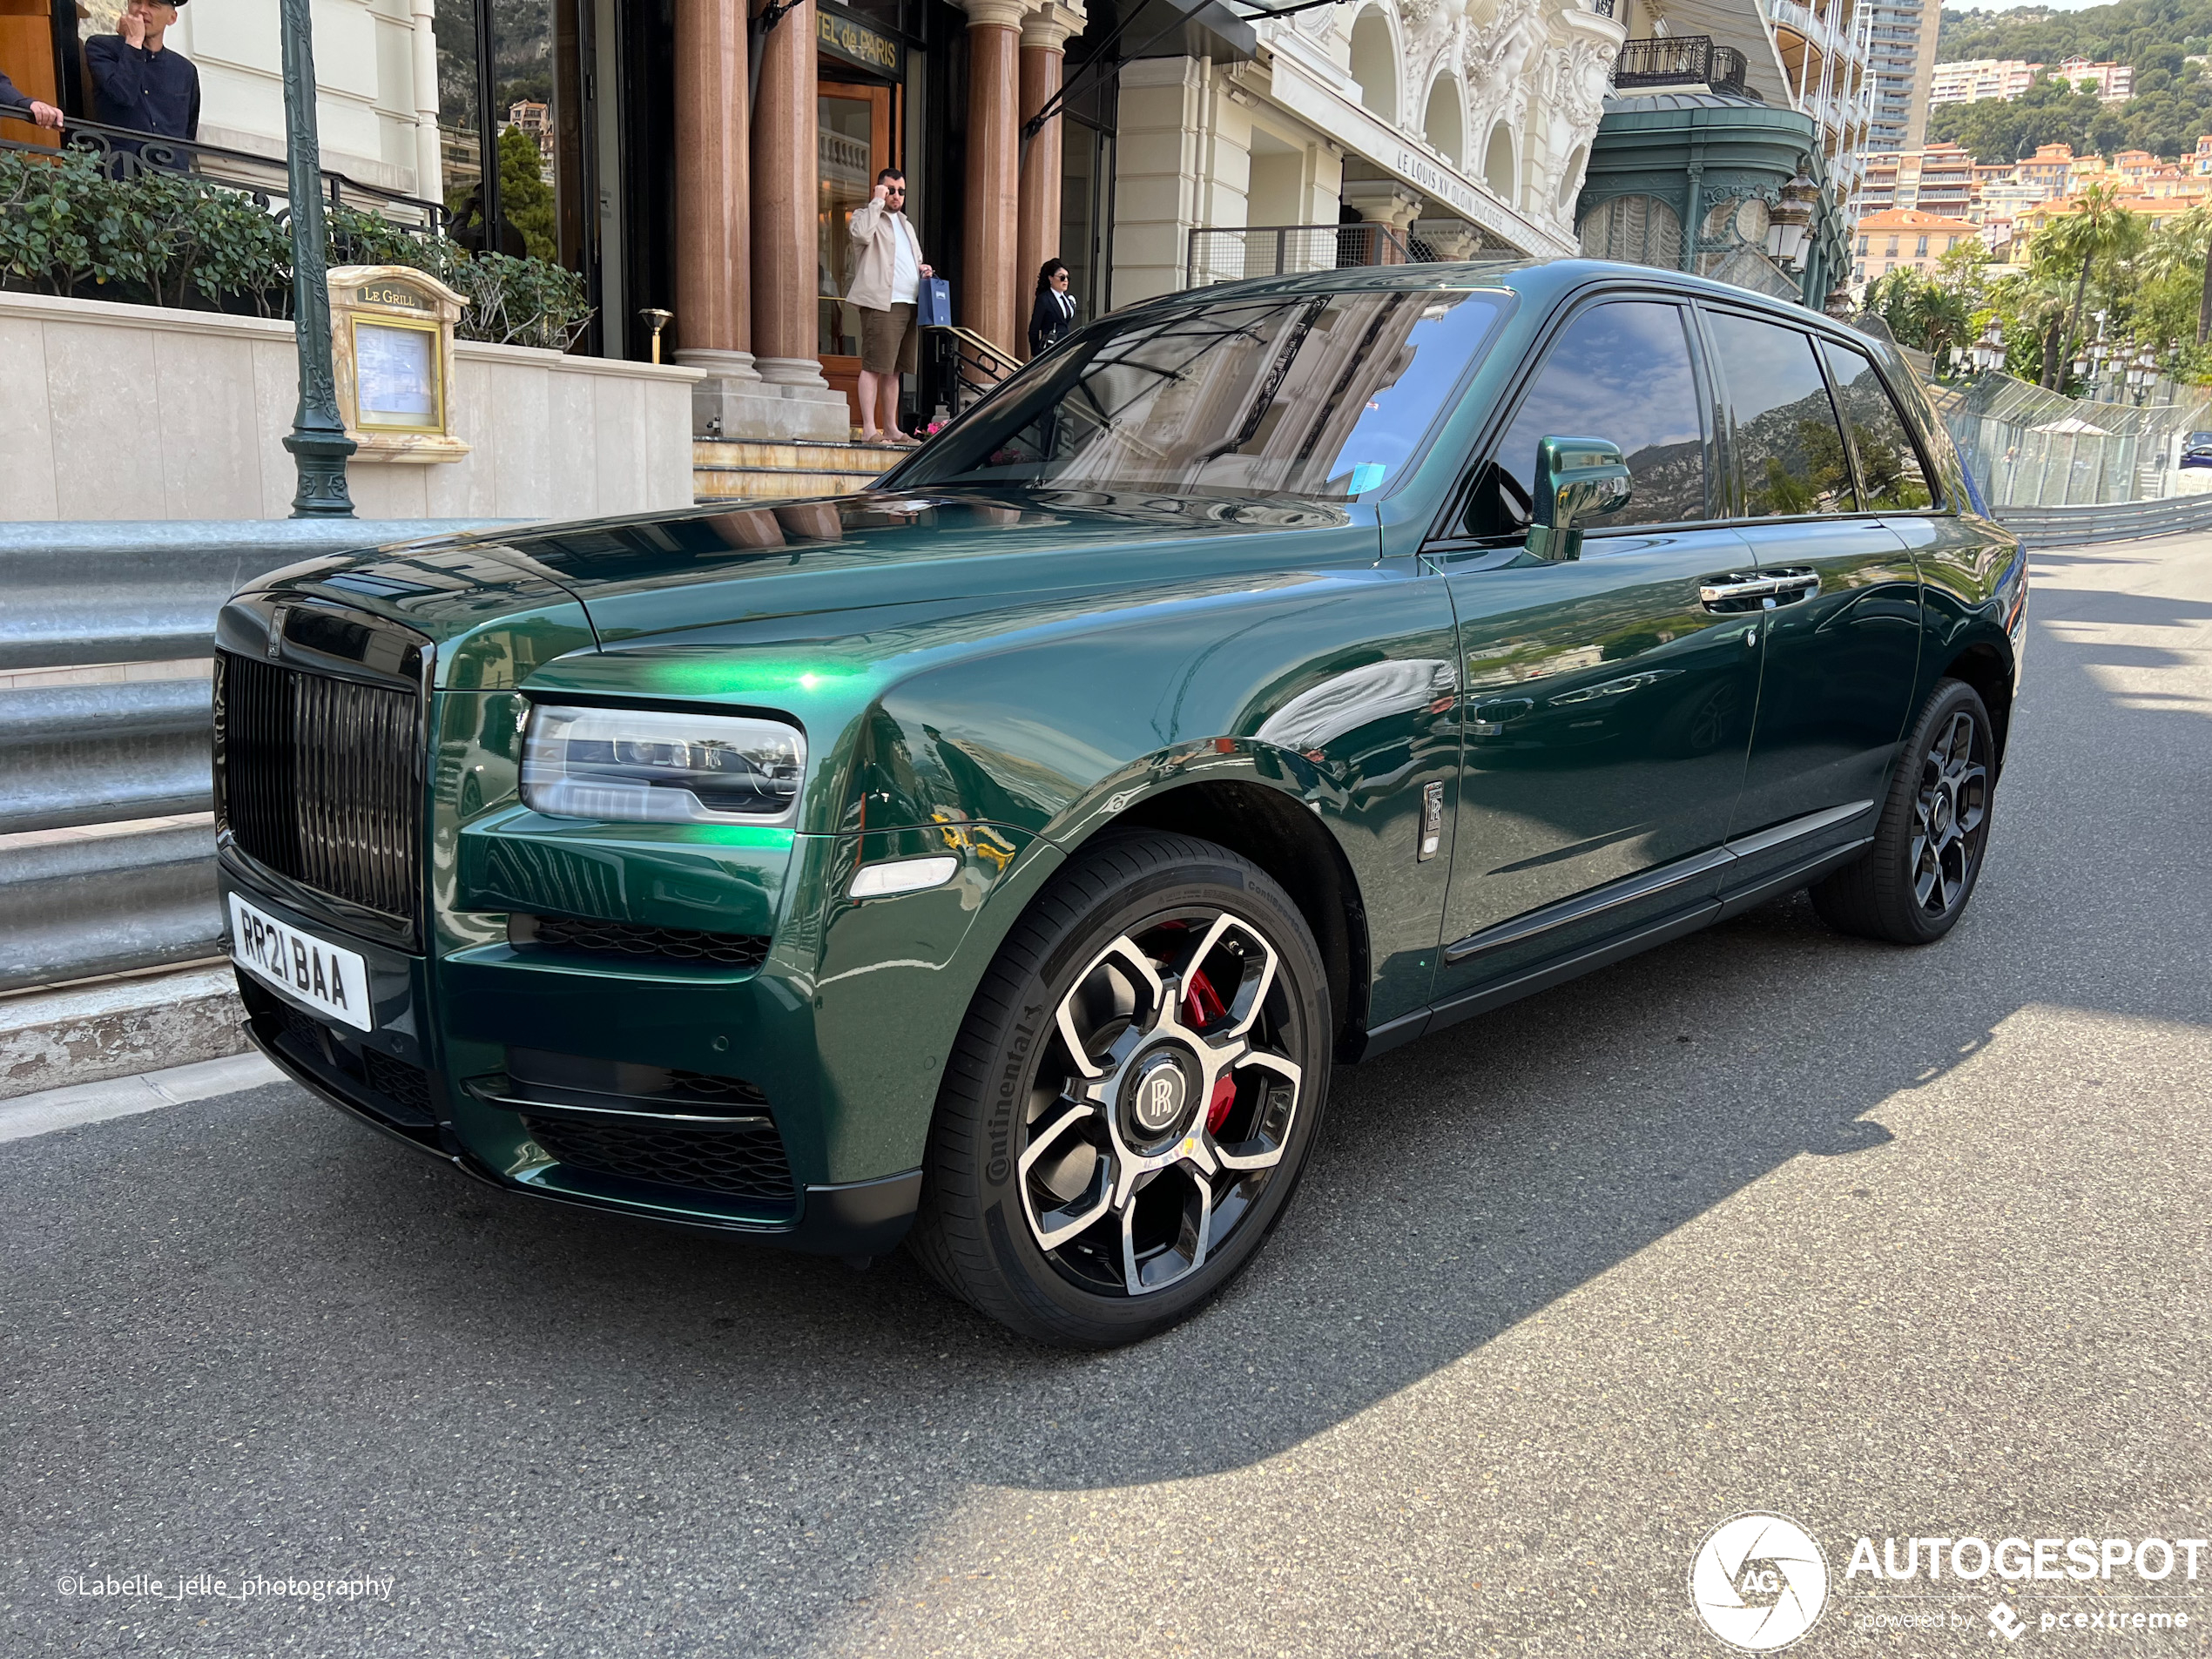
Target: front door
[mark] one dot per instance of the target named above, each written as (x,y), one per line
(855,142)
(1843,605)
(1607,711)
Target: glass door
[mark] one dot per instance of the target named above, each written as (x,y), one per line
(855,143)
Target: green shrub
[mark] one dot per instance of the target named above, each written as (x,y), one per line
(170,239)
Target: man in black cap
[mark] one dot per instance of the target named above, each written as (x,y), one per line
(21,106)
(139,84)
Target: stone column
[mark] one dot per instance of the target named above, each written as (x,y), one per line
(712,300)
(991,213)
(1044,38)
(1385,201)
(429,170)
(785,268)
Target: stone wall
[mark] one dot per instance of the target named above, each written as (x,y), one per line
(136,412)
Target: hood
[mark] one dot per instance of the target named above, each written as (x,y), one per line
(714,578)
(709,568)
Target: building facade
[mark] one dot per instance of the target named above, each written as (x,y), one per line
(1906,239)
(1973,79)
(683,159)
(1902,46)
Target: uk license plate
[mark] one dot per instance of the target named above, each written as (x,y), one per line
(329,978)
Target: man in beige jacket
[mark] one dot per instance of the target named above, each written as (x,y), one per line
(887,283)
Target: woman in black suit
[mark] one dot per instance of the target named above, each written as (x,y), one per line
(1054,314)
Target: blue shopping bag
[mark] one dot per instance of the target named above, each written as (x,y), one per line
(935,307)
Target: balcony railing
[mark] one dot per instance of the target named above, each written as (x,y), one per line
(125,153)
(1679,60)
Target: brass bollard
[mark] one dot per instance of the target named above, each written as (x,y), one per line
(659,320)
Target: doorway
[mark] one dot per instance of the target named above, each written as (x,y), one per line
(858,125)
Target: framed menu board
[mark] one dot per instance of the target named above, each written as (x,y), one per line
(392,355)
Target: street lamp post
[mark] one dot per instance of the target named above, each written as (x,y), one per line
(318,440)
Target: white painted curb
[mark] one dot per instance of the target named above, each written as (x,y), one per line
(28,1114)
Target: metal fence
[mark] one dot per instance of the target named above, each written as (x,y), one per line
(105,642)
(2029,448)
(1232,253)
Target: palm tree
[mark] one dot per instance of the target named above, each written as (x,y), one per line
(2098,228)
(2189,240)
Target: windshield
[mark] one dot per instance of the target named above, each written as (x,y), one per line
(1319,395)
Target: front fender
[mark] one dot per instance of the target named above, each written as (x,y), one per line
(1337,689)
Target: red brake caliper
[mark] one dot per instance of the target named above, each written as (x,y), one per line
(1201,1006)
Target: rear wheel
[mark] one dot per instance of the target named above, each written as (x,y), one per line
(1914,883)
(1131,1097)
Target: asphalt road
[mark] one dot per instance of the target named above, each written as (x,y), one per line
(1889,1242)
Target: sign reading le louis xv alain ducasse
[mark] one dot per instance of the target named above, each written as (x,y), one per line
(391,350)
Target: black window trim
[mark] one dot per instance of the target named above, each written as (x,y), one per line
(1820,336)
(1939,504)
(1439,543)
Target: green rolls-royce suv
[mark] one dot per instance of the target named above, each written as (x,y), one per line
(999,860)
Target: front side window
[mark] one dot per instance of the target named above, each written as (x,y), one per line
(1620,371)
(1788,450)
(1891,475)
(1321,396)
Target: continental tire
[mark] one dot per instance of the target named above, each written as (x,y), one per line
(1125,1113)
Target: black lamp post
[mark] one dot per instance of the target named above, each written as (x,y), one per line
(318,442)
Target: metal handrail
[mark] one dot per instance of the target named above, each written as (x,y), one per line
(1680,60)
(993,356)
(126,153)
(1282,249)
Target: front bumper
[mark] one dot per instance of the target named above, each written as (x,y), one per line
(401,1079)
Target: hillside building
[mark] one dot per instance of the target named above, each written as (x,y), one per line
(1903,238)
(1977,78)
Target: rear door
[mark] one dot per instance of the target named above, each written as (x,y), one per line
(1606,713)
(1836,588)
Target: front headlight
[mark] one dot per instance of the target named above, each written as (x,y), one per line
(644,766)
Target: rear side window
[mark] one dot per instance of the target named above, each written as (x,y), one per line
(1620,371)
(1789,449)
(1890,476)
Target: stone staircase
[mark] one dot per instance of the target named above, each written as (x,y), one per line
(764,471)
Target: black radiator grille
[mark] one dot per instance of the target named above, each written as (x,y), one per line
(745,1162)
(317,778)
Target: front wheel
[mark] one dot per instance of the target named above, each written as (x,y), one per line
(1913,886)
(1126,1110)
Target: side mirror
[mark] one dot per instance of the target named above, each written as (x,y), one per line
(1576,479)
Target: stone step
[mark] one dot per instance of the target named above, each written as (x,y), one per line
(867,459)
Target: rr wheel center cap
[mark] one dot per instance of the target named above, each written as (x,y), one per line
(1158,1097)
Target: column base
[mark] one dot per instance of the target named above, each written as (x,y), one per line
(746,397)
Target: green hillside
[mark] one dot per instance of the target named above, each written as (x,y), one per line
(2173,101)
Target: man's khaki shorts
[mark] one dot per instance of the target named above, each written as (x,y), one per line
(890,340)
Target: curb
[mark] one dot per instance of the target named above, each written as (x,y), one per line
(117,1028)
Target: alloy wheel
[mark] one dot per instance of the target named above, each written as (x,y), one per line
(1949,815)
(1162,1102)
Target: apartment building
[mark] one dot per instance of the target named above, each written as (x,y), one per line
(2051,168)
(1905,238)
(1901,47)
(1980,77)
(1938,179)
(2115,82)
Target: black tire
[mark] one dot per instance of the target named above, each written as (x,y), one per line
(1011,1085)
(1914,883)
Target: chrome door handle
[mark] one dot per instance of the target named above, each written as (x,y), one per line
(1737,592)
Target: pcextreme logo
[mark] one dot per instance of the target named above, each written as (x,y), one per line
(1759,1582)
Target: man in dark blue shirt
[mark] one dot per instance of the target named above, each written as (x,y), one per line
(139,84)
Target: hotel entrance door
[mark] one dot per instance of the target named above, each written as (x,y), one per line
(858,125)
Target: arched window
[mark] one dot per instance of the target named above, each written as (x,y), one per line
(1374,64)
(1572,182)
(1641,230)
(1498,163)
(1443,126)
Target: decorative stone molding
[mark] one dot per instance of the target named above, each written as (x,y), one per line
(1048,27)
(995,14)
(1385,201)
